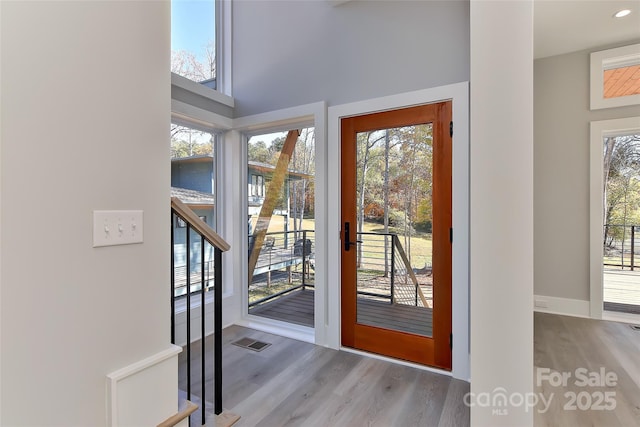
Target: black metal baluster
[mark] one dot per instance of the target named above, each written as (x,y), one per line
(173,285)
(188,311)
(304,250)
(217,371)
(202,328)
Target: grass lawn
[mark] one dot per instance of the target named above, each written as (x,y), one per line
(277,224)
(421,247)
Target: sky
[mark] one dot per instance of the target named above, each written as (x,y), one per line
(192,25)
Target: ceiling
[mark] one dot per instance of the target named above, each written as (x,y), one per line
(563,26)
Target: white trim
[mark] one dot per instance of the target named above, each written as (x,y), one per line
(116,377)
(607,59)
(286,119)
(459,93)
(136,367)
(279,120)
(186,114)
(564,306)
(224,61)
(600,129)
(202,90)
(271,326)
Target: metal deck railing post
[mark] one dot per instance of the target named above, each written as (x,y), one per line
(633,244)
(304,250)
(393,264)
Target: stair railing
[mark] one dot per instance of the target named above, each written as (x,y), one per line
(206,234)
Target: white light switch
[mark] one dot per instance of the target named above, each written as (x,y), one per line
(112,228)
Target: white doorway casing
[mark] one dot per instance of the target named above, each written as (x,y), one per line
(459,94)
(309,115)
(600,130)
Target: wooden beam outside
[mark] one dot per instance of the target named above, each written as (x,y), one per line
(271,198)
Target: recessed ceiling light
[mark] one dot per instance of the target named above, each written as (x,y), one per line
(622,13)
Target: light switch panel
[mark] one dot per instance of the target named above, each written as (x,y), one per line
(111,228)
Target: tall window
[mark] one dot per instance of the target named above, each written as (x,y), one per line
(281,225)
(193,181)
(193,40)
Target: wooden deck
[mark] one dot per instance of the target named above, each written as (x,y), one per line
(405,318)
(298,307)
(621,290)
(294,307)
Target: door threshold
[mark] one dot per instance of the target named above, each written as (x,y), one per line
(277,327)
(615,316)
(397,361)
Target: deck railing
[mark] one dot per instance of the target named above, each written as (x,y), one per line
(286,263)
(206,237)
(620,246)
(384,271)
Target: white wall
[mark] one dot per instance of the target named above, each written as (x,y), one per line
(561,173)
(288,53)
(501,229)
(85,115)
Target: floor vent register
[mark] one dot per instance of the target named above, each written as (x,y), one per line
(251,344)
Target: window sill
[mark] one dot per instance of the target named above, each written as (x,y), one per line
(201,90)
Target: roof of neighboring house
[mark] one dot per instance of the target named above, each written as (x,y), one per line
(194,159)
(257,166)
(192,197)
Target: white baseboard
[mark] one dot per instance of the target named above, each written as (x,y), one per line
(564,306)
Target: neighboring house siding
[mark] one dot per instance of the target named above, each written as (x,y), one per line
(193,175)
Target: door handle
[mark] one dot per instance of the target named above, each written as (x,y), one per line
(347,237)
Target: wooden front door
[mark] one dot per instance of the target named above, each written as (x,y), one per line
(396,233)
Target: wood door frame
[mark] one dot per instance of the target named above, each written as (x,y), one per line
(434,350)
(459,93)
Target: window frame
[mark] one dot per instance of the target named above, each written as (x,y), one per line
(223,63)
(608,59)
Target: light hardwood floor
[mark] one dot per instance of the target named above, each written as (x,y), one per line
(292,383)
(565,344)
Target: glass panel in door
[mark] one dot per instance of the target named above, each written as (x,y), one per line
(394,206)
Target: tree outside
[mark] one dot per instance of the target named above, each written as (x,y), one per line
(621,194)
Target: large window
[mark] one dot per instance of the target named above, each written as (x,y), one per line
(281,225)
(193,181)
(193,40)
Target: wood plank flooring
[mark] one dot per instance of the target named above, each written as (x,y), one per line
(564,344)
(292,383)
